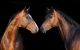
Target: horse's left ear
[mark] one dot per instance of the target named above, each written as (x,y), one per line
(28,9)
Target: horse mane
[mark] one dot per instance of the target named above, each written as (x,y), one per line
(75,27)
(12,17)
(69,19)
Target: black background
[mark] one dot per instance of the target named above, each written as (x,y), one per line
(50,40)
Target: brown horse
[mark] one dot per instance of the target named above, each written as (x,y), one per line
(70,30)
(11,39)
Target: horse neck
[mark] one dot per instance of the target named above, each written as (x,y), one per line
(67,29)
(64,28)
(68,32)
(9,34)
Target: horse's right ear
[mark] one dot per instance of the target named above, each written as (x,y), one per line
(28,9)
(47,9)
(25,8)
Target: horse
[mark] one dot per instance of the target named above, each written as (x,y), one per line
(11,39)
(70,29)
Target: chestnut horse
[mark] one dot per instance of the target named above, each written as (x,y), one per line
(11,39)
(70,29)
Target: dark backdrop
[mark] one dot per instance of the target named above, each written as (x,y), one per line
(50,40)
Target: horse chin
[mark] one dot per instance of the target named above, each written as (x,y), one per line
(43,30)
(34,32)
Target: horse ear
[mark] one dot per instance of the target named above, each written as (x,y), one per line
(25,8)
(47,9)
(28,9)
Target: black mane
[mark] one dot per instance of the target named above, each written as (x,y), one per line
(73,31)
(69,19)
(13,16)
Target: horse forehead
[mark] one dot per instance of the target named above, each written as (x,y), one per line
(49,16)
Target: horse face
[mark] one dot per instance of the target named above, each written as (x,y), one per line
(28,23)
(51,21)
(32,26)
